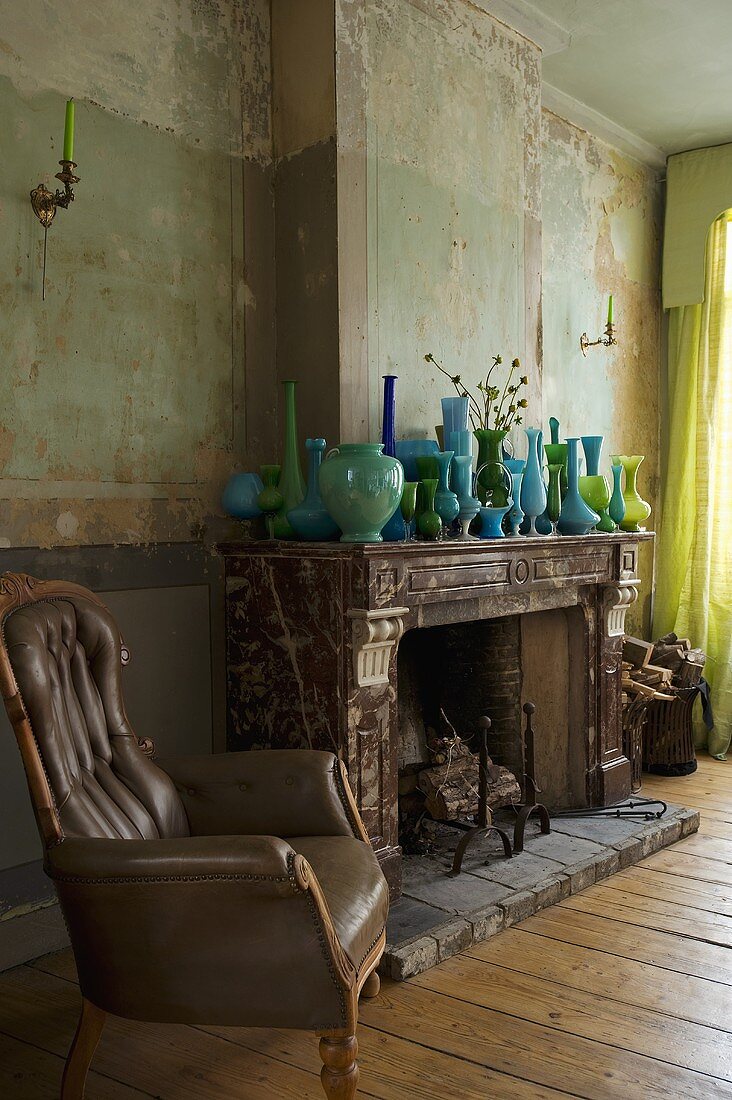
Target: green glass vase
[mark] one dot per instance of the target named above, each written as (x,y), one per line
(595,491)
(490,482)
(556,455)
(292,483)
(429,523)
(361,488)
(637,510)
(270,498)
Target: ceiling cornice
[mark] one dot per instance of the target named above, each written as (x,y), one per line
(523,17)
(586,118)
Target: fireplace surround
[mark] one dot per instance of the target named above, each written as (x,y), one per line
(313,631)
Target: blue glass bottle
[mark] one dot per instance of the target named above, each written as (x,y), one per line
(533,489)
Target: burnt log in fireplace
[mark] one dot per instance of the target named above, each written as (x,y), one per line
(314,629)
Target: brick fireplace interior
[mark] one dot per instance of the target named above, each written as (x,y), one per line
(491,667)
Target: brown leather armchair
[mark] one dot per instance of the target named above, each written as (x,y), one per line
(233,889)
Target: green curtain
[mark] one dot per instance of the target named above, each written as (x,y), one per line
(694,572)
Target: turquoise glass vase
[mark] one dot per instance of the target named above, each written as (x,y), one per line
(617,504)
(516,467)
(408,450)
(310,519)
(577,518)
(239,498)
(292,484)
(362,489)
(491,520)
(454,416)
(446,502)
(592,446)
(533,489)
(462,481)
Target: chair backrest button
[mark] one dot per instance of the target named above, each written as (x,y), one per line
(289,781)
(242,786)
(190,791)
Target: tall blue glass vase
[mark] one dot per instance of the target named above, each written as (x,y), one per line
(516,515)
(446,502)
(394,529)
(533,489)
(592,445)
(454,417)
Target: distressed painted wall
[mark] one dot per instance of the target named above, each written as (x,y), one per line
(601,235)
(125,392)
(452,130)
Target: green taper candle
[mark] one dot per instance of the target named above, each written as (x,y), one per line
(69,132)
(610,310)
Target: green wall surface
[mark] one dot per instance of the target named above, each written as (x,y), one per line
(452,119)
(124,390)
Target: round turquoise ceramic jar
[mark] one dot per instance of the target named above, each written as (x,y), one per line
(361,488)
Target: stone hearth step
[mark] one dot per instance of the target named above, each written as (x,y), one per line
(438,916)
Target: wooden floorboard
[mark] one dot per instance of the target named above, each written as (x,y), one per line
(624,991)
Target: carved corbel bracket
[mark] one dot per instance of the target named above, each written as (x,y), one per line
(617,599)
(374,634)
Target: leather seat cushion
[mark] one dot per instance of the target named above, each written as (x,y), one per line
(354,887)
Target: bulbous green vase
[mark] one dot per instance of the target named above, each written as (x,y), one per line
(595,491)
(361,488)
(637,510)
(490,484)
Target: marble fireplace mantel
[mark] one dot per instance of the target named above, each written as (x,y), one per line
(313,631)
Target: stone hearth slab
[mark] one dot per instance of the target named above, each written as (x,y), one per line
(438,916)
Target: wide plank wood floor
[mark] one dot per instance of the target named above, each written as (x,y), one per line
(622,991)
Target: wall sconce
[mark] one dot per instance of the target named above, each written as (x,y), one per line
(44,202)
(608,339)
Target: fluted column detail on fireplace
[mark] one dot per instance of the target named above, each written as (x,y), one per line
(618,598)
(374,638)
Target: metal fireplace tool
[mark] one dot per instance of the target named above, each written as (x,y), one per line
(484,824)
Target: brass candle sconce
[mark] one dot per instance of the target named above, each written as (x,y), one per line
(44,202)
(607,340)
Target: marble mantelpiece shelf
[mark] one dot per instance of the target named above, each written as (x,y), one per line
(313,631)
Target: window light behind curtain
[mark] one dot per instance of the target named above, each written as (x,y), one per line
(694,585)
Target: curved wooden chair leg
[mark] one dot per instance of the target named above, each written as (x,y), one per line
(371,986)
(339,1075)
(523,817)
(82,1050)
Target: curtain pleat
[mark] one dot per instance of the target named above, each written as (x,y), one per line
(694,577)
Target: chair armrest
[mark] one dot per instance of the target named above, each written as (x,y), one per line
(261,864)
(229,930)
(282,792)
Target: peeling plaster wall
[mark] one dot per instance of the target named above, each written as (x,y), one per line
(452,130)
(601,235)
(306,236)
(125,392)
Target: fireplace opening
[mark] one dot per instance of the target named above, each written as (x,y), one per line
(449,676)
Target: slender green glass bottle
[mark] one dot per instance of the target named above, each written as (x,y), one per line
(292,483)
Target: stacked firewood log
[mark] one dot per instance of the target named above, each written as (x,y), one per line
(659,670)
(448,784)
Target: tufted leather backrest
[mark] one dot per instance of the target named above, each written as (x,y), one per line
(65,655)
